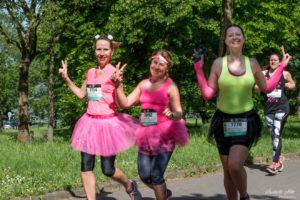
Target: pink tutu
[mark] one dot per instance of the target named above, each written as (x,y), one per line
(104,135)
(161,137)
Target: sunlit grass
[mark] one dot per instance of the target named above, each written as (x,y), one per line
(39,167)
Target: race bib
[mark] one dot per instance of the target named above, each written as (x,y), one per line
(276,93)
(235,127)
(148,117)
(94,92)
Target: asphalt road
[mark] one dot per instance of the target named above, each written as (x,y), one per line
(261,186)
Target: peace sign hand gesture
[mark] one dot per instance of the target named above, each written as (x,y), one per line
(118,75)
(285,56)
(64,70)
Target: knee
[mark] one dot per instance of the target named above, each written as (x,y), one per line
(234,168)
(146,178)
(158,180)
(108,171)
(86,174)
(87,166)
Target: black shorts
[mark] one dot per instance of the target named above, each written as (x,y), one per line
(253,132)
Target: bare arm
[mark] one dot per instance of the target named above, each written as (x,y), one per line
(289,81)
(79,92)
(175,110)
(215,73)
(130,100)
(122,100)
(259,77)
(256,87)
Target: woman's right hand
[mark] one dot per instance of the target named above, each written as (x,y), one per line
(64,70)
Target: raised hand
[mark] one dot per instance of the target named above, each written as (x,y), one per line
(198,54)
(64,70)
(118,75)
(285,56)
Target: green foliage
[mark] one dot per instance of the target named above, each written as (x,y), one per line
(178,26)
(8,78)
(146,26)
(173,25)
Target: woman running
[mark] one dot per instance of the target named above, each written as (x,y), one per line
(101,130)
(235,125)
(276,110)
(161,126)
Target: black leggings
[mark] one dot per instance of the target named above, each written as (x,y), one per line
(107,163)
(152,168)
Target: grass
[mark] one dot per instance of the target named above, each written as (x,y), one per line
(39,167)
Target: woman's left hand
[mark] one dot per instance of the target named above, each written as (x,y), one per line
(172,115)
(118,75)
(285,56)
(168,113)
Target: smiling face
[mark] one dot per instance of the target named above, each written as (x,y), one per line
(159,67)
(103,52)
(234,38)
(274,61)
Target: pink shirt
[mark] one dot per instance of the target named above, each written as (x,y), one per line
(157,100)
(106,105)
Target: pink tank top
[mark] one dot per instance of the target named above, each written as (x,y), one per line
(106,104)
(157,100)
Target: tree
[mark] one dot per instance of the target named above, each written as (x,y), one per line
(56,25)
(25,18)
(8,79)
(178,26)
(226,19)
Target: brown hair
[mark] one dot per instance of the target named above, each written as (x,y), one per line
(228,27)
(267,67)
(166,54)
(114,45)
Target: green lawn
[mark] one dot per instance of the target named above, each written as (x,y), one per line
(39,167)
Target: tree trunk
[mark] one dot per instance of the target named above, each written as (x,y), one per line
(23,133)
(226,19)
(298,111)
(51,109)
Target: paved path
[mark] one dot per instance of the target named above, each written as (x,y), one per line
(284,186)
(262,186)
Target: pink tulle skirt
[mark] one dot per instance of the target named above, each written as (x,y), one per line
(104,135)
(162,137)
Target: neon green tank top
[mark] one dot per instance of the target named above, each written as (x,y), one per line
(235,92)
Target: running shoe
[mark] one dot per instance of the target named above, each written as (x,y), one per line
(274,167)
(281,161)
(134,193)
(245,198)
(169,194)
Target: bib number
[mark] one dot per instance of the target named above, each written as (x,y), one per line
(148,117)
(276,93)
(235,127)
(94,92)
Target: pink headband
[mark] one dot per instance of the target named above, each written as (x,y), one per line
(160,58)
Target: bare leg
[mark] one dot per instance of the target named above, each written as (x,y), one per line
(120,177)
(236,159)
(160,191)
(231,190)
(89,184)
